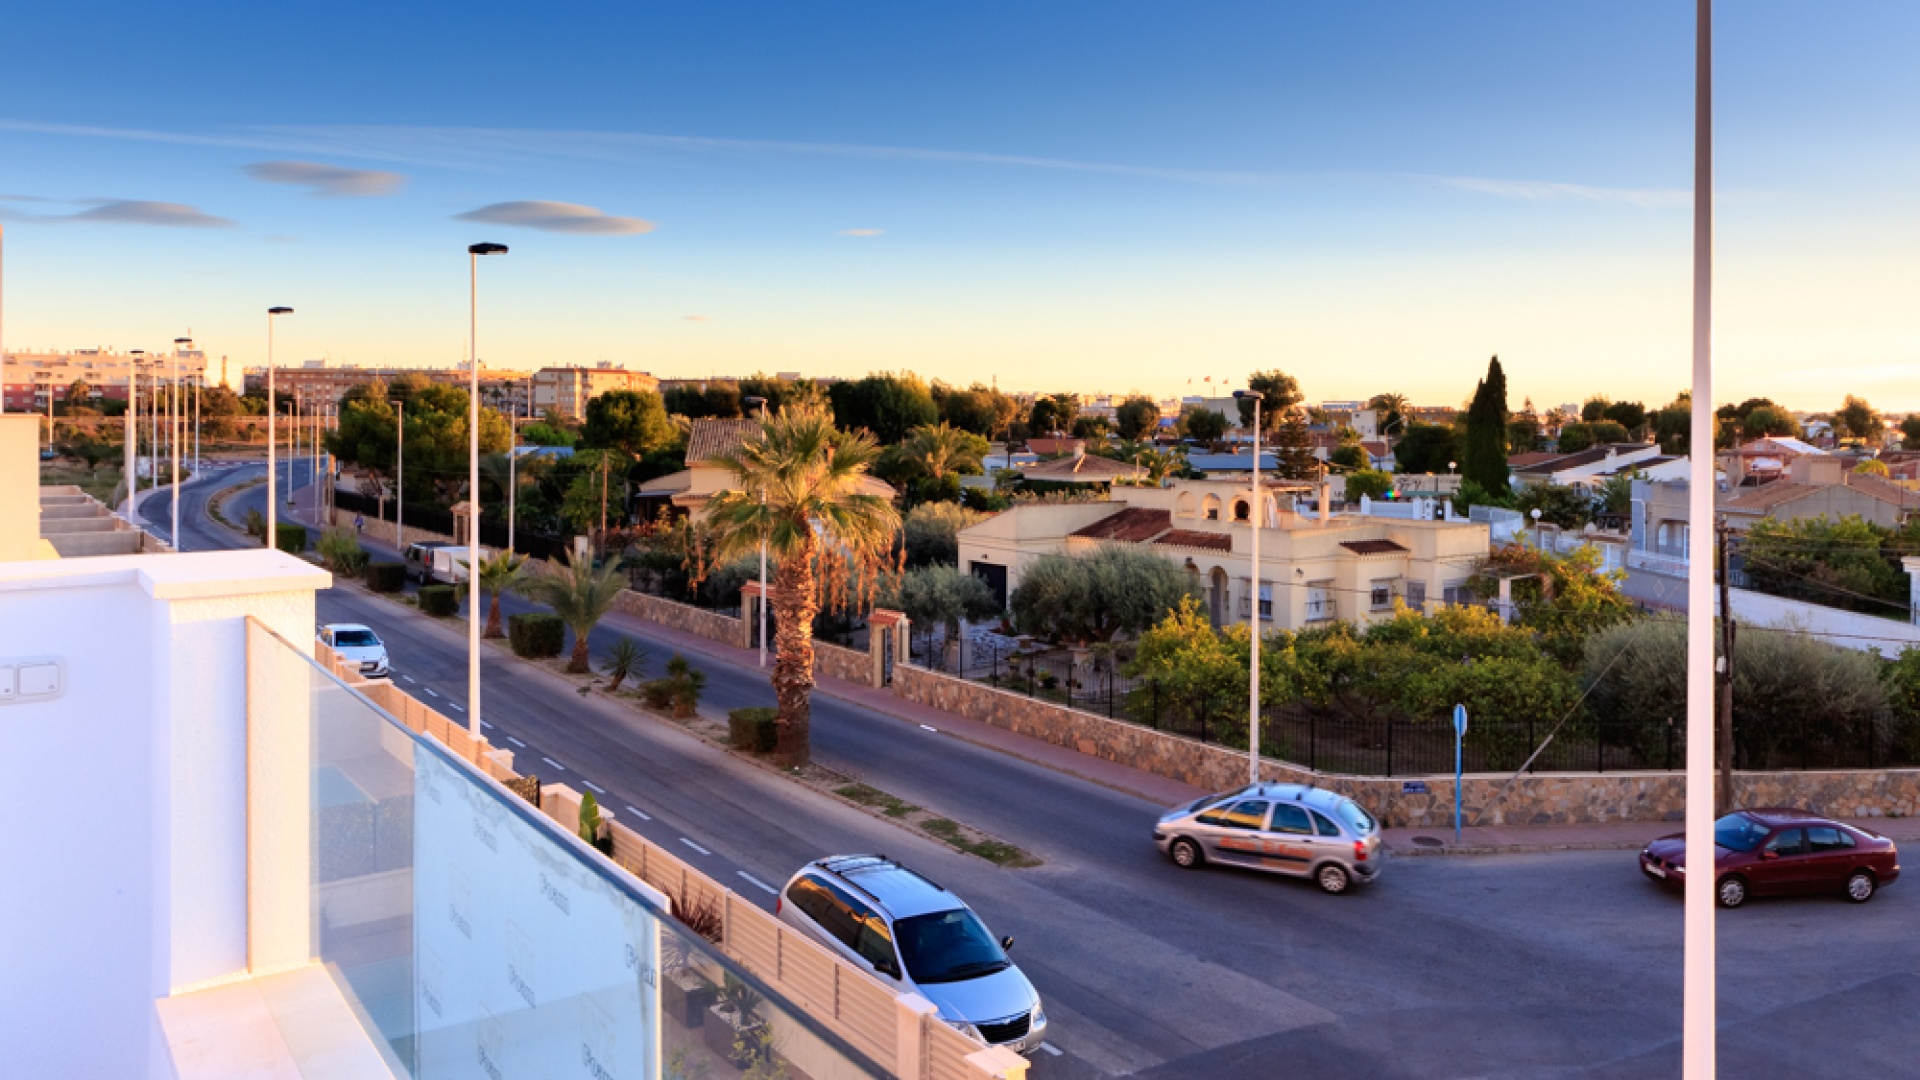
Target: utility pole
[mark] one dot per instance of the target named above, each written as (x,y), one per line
(603,502)
(1723,671)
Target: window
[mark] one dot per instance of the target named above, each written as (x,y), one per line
(1324,827)
(1381,594)
(1251,814)
(1210,508)
(947,946)
(1827,838)
(810,897)
(354,638)
(840,915)
(1738,832)
(1266,602)
(1240,512)
(1288,818)
(875,945)
(1320,605)
(1788,842)
(1417,595)
(1455,593)
(1357,819)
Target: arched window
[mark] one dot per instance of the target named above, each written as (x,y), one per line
(1183,506)
(1240,510)
(1210,508)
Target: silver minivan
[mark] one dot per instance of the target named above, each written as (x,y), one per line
(918,938)
(1280,828)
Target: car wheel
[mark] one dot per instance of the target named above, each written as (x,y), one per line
(1186,854)
(1860,886)
(1733,891)
(1332,878)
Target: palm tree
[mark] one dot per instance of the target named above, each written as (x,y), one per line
(942,449)
(581,596)
(798,489)
(499,573)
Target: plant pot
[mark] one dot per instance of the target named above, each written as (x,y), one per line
(687,997)
(720,1031)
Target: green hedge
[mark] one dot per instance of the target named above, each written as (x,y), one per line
(386,576)
(439,600)
(291,539)
(536,634)
(753,730)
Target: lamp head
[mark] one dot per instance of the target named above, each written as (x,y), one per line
(1245,394)
(486,249)
(753,400)
(279,311)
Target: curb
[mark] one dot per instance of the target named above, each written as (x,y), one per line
(1511,849)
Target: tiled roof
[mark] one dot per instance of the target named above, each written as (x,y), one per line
(1759,500)
(1131,525)
(1563,462)
(711,438)
(1374,547)
(1531,457)
(1885,491)
(1049,447)
(1090,469)
(1191,538)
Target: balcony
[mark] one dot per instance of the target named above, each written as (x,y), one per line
(1654,562)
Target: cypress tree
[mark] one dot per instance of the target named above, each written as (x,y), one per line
(1485,460)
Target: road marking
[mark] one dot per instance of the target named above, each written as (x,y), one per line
(516,742)
(554,763)
(639,813)
(486,723)
(695,846)
(429,691)
(758,884)
(454,707)
(1050,1048)
(409,678)
(935,730)
(597,789)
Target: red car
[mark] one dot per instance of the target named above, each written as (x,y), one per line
(1774,852)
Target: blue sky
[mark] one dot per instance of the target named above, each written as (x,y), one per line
(1106,196)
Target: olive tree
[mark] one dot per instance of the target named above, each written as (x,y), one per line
(1115,590)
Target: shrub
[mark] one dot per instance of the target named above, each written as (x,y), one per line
(256,523)
(534,634)
(752,730)
(624,660)
(340,548)
(1367,483)
(657,693)
(386,577)
(590,823)
(291,539)
(439,600)
(1093,597)
(685,684)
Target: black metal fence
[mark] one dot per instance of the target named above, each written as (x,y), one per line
(1333,741)
(493,531)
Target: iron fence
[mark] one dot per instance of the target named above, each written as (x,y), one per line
(493,531)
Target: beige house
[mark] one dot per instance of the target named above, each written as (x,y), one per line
(1315,566)
(688,490)
(566,390)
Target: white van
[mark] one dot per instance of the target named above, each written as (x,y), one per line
(438,562)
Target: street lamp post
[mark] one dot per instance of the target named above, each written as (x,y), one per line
(273,408)
(173,399)
(1255,515)
(400,478)
(762,402)
(474,251)
(132,438)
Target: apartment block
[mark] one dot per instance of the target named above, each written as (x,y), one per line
(566,390)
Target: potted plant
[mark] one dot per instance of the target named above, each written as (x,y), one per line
(732,1032)
(594,829)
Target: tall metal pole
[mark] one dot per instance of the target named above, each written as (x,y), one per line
(174,400)
(273,410)
(132,437)
(1253,605)
(474,251)
(1699,1006)
(400,478)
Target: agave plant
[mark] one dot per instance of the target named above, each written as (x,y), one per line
(623,659)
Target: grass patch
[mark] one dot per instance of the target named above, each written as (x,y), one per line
(879,800)
(98,483)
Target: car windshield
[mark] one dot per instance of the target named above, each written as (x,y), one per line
(948,946)
(1205,801)
(1357,819)
(1738,832)
(350,638)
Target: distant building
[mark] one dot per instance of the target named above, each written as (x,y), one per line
(29,379)
(321,381)
(566,390)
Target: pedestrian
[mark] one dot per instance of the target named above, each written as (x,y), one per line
(359,524)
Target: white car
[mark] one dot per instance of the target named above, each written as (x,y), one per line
(358,644)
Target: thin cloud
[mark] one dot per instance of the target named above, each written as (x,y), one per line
(860,232)
(327,181)
(557,217)
(1548,191)
(130,212)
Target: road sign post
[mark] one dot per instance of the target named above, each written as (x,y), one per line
(1459,734)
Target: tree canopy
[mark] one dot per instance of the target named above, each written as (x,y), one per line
(1092,597)
(631,421)
(1426,448)
(1484,458)
(1279,393)
(886,404)
(1203,424)
(1136,417)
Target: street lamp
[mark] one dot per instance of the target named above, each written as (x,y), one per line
(132,439)
(1536,528)
(474,251)
(273,407)
(1253,603)
(762,402)
(175,401)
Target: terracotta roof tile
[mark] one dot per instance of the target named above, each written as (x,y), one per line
(711,438)
(1130,526)
(1374,547)
(1192,538)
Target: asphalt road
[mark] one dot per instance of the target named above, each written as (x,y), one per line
(1561,965)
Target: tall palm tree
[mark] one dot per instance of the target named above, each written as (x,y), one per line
(942,449)
(798,489)
(581,596)
(501,572)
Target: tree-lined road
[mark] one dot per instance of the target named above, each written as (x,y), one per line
(1517,966)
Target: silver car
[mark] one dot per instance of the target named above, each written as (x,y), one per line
(1281,828)
(918,938)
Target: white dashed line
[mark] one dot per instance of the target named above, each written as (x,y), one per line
(935,730)
(758,884)
(597,789)
(409,678)
(1051,1049)
(516,742)
(695,846)
(429,691)
(639,813)
(485,723)
(454,707)
(554,763)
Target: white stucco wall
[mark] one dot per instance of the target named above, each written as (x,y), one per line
(123,850)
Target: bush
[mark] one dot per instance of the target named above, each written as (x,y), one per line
(256,523)
(684,683)
(291,539)
(534,634)
(340,548)
(386,577)
(439,600)
(657,693)
(1093,597)
(932,532)
(752,730)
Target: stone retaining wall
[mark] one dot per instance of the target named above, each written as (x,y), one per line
(684,617)
(1418,802)
(839,662)
(382,531)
